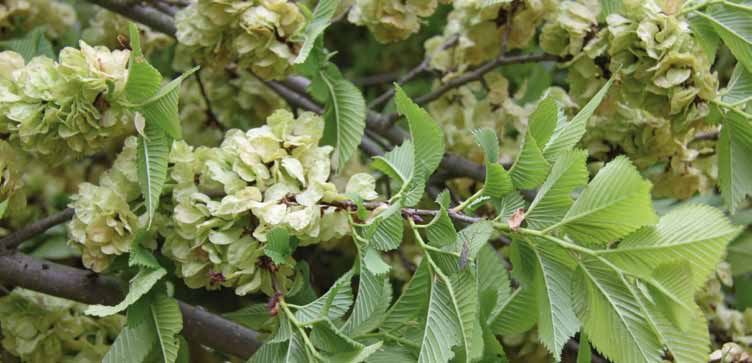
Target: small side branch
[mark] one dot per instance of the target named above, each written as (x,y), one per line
(14,239)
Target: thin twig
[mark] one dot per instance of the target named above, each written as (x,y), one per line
(420,68)
(213,120)
(377,79)
(14,239)
(149,16)
(474,75)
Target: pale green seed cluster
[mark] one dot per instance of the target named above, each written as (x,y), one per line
(391,20)
(239,101)
(59,110)
(39,328)
(24,15)
(259,34)
(475,31)
(110,29)
(660,98)
(224,201)
(104,223)
(726,323)
(228,198)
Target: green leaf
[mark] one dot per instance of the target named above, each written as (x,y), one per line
(153,151)
(739,88)
(568,134)
(296,351)
(530,168)
(553,269)
(584,353)
(392,354)
(140,256)
(386,230)
(139,286)
(322,16)
(517,314)
(161,109)
(414,299)
(270,352)
(705,35)
(252,316)
(444,324)
(143,79)
(731,22)
(345,115)
(554,198)
(615,203)
(333,304)
(493,281)
(328,338)
(611,315)
(739,254)
(169,322)
(424,131)
(498,183)
(695,233)
(398,163)
(473,238)
(440,231)
(355,356)
(279,245)
(3,208)
(33,44)
(735,159)
(506,206)
(132,345)
(609,7)
(184,354)
(689,346)
(374,296)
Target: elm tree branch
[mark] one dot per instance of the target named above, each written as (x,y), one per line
(84,286)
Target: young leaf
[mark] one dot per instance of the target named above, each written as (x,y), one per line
(374,296)
(252,316)
(615,203)
(333,304)
(345,115)
(612,316)
(140,256)
(161,109)
(424,131)
(143,79)
(517,314)
(151,162)
(553,269)
(398,163)
(322,16)
(411,303)
(739,88)
(133,344)
(498,183)
(3,207)
(279,245)
(442,330)
(33,44)
(328,338)
(568,134)
(440,231)
(169,322)
(139,286)
(731,22)
(735,159)
(584,353)
(386,230)
(530,168)
(554,198)
(695,233)
(493,281)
